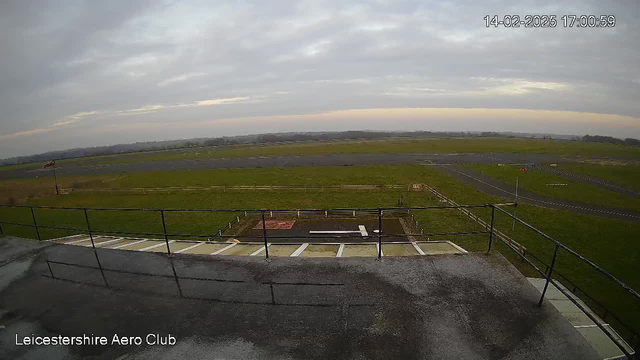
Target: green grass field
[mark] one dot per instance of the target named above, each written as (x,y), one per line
(626,175)
(536,181)
(609,243)
(430,145)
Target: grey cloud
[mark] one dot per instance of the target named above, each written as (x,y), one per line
(64,58)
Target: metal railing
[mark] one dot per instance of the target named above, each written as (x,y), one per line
(145,190)
(632,339)
(379,213)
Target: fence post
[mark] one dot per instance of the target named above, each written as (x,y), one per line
(164,231)
(549,273)
(86,218)
(35,224)
(379,234)
(493,215)
(264,235)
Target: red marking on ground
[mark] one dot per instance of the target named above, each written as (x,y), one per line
(275,225)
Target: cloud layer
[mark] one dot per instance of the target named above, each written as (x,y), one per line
(80,73)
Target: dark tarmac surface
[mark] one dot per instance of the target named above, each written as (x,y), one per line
(425,307)
(302,227)
(293,161)
(505,191)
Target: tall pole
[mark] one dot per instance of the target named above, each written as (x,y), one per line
(493,215)
(379,234)
(55,178)
(264,235)
(513,226)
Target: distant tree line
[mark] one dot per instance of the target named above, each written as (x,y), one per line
(611,140)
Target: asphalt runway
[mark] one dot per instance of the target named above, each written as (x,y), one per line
(444,162)
(293,161)
(505,191)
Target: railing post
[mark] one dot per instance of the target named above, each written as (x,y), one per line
(379,234)
(264,235)
(164,231)
(549,273)
(493,215)
(1,232)
(86,218)
(35,224)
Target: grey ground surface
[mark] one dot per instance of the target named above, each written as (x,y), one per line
(431,307)
(498,188)
(294,160)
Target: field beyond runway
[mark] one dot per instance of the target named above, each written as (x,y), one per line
(291,161)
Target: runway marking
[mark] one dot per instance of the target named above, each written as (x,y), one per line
(157,245)
(224,249)
(259,250)
(109,242)
(340,250)
(299,250)
(133,243)
(189,248)
(546,202)
(77,241)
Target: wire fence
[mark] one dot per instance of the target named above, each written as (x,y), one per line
(549,272)
(154,190)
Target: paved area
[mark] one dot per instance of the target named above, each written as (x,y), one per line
(505,191)
(418,307)
(293,161)
(354,248)
(605,347)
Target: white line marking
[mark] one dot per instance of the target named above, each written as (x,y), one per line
(259,250)
(133,243)
(108,242)
(223,249)
(418,248)
(77,241)
(458,247)
(363,231)
(588,326)
(66,237)
(340,250)
(155,246)
(299,250)
(189,248)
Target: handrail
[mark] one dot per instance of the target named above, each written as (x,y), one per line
(574,253)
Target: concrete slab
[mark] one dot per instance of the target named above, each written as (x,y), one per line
(579,319)
(174,247)
(282,250)
(434,248)
(320,251)
(140,245)
(242,249)
(360,251)
(207,249)
(418,307)
(399,250)
(120,244)
(605,347)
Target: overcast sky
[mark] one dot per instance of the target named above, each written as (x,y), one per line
(88,73)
